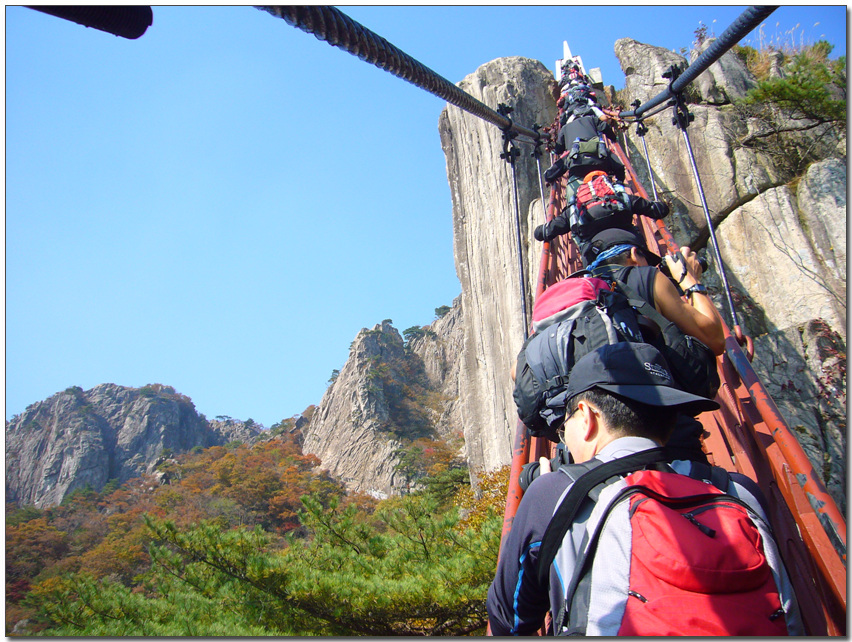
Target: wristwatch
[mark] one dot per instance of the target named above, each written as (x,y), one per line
(698,287)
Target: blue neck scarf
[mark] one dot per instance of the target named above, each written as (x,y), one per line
(608,254)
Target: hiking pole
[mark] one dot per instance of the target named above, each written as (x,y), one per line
(681,120)
(509,154)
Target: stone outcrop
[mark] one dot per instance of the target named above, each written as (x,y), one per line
(386,395)
(726,80)
(803,368)
(485,245)
(80,438)
(439,349)
(769,249)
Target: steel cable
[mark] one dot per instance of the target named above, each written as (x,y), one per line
(338,29)
(747,21)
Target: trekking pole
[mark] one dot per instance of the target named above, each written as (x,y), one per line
(509,154)
(681,120)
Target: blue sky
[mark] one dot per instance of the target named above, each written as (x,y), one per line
(222,204)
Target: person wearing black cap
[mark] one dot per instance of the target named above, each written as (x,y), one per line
(624,256)
(621,400)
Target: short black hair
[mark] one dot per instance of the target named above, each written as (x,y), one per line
(626,417)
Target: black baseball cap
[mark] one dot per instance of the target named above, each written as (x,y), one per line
(616,236)
(637,371)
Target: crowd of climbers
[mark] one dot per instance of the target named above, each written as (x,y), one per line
(628,530)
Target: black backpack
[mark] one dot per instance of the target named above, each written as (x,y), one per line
(693,364)
(590,155)
(547,357)
(577,110)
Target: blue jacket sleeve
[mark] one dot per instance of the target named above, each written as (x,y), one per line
(517,602)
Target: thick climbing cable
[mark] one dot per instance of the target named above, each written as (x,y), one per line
(339,30)
(745,23)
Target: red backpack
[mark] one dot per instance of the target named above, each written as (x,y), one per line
(556,302)
(601,202)
(678,555)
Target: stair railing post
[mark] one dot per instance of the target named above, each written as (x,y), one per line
(536,153)
(641,130)
(510,154)
(681,120)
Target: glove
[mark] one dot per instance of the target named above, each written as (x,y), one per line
(538,233)
(662,209)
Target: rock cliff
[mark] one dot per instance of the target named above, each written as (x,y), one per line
(80,438)
(485,245)
(388,393)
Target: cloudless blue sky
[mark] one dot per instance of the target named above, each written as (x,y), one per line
(222,204)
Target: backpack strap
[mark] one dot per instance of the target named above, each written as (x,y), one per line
(714,474)
(567,511)
(642,306)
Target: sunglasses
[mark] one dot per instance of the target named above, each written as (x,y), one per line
(561,430)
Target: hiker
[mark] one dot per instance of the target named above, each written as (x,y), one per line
(623,255)
(576,92)
(621,401)
(638,299)
(602,203)
(582,148)
(571,75)
(584,128)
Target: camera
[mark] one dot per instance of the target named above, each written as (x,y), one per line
(664,266)
(532,470)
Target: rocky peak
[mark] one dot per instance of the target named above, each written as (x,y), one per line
(80,438)
(486,248)
(386,395)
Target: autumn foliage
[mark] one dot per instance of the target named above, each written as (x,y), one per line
(243,540)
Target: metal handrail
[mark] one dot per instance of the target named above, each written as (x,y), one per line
(747,21)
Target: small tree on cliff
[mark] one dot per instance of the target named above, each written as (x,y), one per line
(809,98)
(442,311)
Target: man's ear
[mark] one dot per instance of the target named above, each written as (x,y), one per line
(591,419)
(636,254)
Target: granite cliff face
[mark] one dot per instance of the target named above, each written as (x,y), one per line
(485,245)
(80,438)
(781,228)
(387,394)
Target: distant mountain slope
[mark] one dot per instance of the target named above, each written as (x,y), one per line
(390,392)
(80,438)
